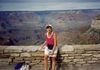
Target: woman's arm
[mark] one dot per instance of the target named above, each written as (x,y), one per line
(42,45)
(55,42)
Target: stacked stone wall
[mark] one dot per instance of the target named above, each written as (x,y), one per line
(69,54)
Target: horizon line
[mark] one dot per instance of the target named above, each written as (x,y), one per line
(47,6)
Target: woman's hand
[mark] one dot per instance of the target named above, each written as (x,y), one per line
(52,52)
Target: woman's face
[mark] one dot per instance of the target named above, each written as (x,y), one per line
(49,29)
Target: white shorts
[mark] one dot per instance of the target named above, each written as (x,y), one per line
(47,52)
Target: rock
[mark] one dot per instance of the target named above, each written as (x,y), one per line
(64,55)
(87,58)
(92,52)
(27,62)
(13,49)
(77,60)
(4,63)
(86,55)
(25,54)
(67,48)
(36,61)
(82,62)
(15,55)
(95,59)
(78,56)
(30,48)
(2,49)
(28,58)
(87,47)
(38,54)
(39,58)
(4,55)
(95,24)
(78,51)
(67,61)
(70,57)
(97,55)
(18,59)
(91,61)
(5,60)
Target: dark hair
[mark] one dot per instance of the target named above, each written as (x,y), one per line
(48,27)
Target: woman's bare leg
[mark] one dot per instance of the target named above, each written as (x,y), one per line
(53,63)
(46,62)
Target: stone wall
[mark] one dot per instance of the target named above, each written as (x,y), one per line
(69,54)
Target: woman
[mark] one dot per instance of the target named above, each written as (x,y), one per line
(50,48)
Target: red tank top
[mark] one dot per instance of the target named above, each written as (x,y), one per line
(50,39)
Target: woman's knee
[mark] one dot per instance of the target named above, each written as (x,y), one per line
(53,58)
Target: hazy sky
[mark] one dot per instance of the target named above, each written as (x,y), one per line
(42,5)
(49,0)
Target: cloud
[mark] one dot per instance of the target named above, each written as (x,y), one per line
(47,6)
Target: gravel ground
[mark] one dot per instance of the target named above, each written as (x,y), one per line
(59,67)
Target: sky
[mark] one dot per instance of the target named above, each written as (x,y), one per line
(49,0)
(42,5)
